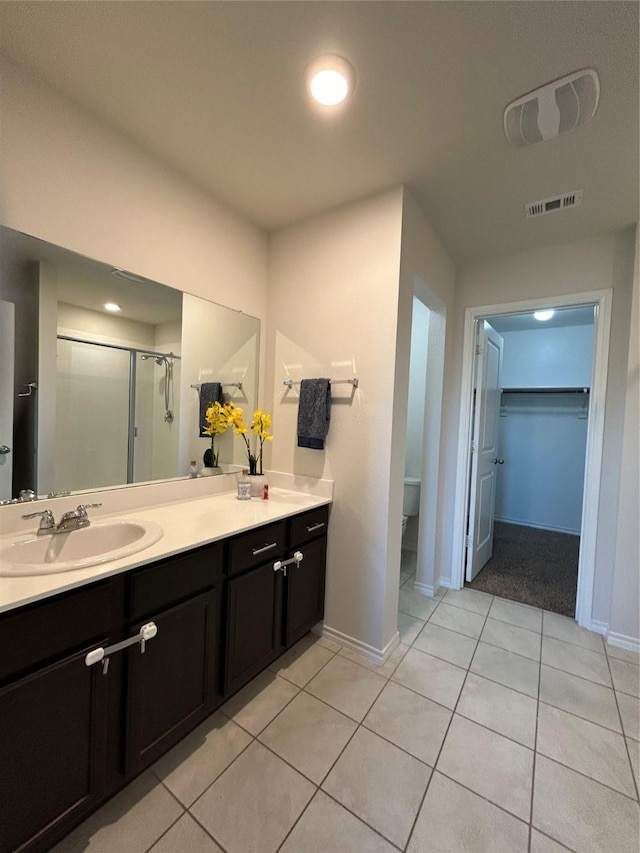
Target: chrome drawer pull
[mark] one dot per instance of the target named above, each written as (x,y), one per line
(315,527)
(256,551)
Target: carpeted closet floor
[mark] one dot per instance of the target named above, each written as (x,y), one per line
(536,567)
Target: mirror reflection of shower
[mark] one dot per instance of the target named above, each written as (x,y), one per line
(167,361)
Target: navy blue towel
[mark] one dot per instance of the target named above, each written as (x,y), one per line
(314,413)
(210,392)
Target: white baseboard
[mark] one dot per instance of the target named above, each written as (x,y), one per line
(426,589)
(624,642)
(522,523)
(379,656)
(598,627)
(447,583)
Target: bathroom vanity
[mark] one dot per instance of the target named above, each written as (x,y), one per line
(73,732)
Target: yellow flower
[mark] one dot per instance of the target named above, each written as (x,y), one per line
(261,424)
(217,418)
(234,415)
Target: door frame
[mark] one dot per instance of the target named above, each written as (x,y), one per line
(602,299)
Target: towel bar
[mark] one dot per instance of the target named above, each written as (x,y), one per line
(291,382)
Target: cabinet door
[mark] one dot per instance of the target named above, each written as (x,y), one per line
(52,751)
(254,613)
(305,591)
(172,685)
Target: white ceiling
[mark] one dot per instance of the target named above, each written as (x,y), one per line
(562,317)
(216,90)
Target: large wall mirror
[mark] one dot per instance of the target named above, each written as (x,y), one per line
(94,398)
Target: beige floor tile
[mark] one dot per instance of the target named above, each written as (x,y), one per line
(257,704)
(133,820)
(412,722)
(388,801)
(469,599)
(622,654)
(513,639)
(516,614)
(327,827)
(581,813)
(416,605)
(300,663)
(543,844)
(436,679)
(455,820)
(409,627)
(186,835)
(576,660)
(446,645)
(254,804)
(194,763)
(456,619)
(626,676)
(386,669)
(326,643)
(630,713)
(347,687)
(489,764)
(309,735)
(594,702)
(499,708)
(566,629)
(506,668)
(409,581)
(634,753)
(585,747)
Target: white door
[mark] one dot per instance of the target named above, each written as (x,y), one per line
(484,459)
(7,333)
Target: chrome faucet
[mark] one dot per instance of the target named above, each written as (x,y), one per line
(74,519)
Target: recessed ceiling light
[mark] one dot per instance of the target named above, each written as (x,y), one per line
(112,306)
(330,79)
(544,315)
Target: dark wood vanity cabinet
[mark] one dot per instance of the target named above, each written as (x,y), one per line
(71,735)
(268,609)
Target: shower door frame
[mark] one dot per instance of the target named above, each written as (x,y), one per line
(134,352)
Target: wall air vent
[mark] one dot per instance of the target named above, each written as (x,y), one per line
(551,205)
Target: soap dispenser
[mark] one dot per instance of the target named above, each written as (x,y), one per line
(244,485)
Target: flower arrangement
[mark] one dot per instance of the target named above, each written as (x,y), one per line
(217,418)
(260,426)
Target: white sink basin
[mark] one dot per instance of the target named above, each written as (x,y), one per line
(102,542)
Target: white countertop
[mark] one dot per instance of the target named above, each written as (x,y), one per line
(186,524)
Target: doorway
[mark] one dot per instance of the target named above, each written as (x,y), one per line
(531,448)
(594,439)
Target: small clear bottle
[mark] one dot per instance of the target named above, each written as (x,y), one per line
(244,486)
(193,469)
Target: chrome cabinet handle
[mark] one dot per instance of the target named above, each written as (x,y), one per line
(497,461)
(315,527)
(256,551)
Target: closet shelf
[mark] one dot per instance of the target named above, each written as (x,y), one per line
(573,390)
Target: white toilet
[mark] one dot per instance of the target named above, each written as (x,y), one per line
(411,502)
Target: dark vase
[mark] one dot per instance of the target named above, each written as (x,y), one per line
(208,458)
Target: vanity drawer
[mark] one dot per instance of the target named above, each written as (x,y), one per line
(308,526)
(164,584)
(36,635)
(258,546)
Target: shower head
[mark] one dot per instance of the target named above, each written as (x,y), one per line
(160,359)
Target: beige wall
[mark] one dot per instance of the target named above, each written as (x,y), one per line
(72,181)
(625,605)
(333,306)
(602,262)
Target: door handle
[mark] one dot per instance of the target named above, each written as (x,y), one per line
(497,461)
(4,450)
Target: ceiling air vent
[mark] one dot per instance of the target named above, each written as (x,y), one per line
(551,205)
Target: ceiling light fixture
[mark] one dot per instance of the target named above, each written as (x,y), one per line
(544,315)
(330,79)
(112,306)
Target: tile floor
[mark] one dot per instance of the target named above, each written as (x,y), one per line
(493,727)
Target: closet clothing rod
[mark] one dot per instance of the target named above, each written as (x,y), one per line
(291,382)
(544,390)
